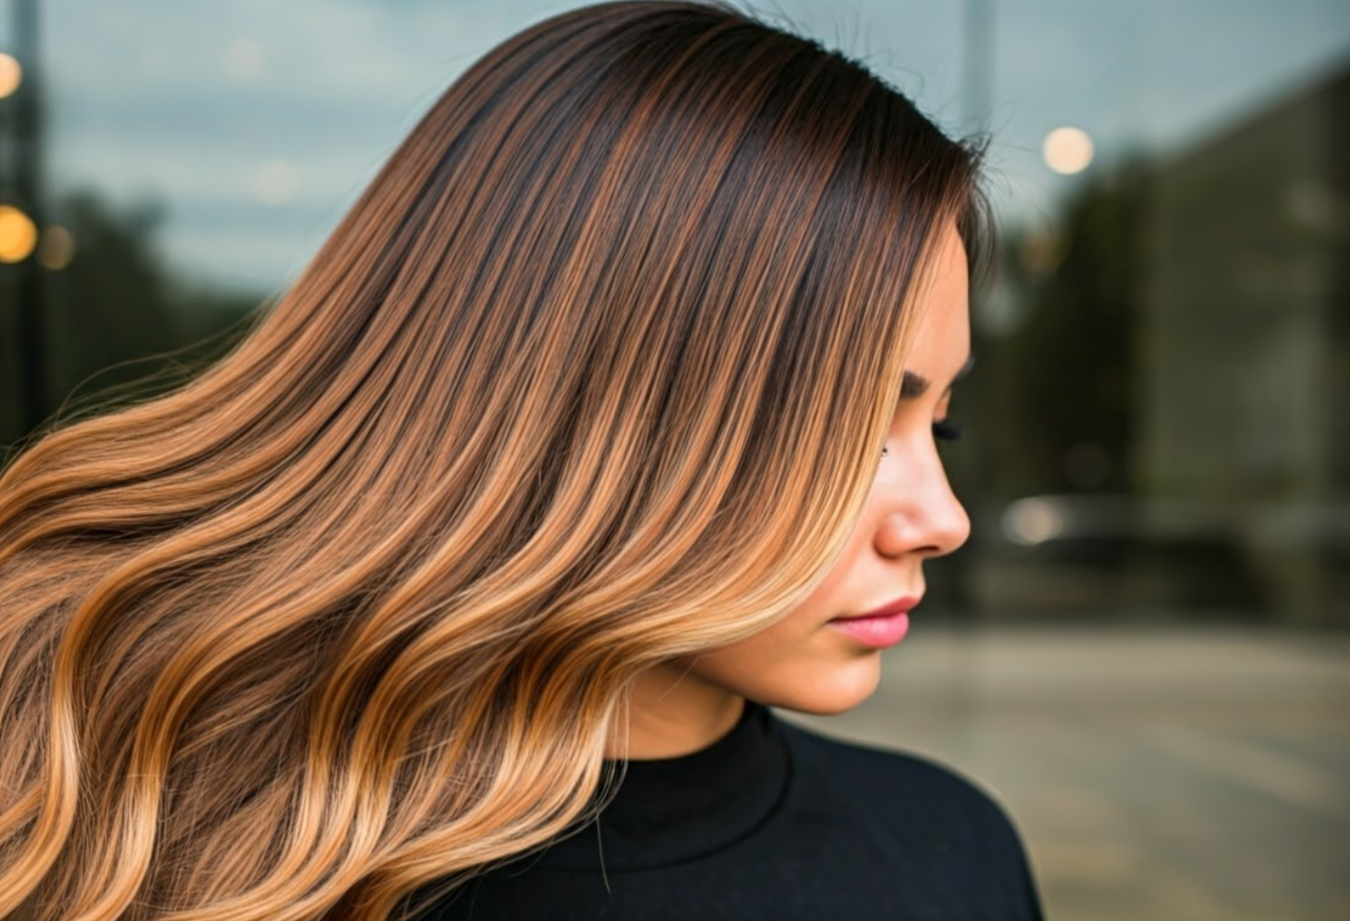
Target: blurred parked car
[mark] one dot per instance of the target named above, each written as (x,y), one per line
(1053,555)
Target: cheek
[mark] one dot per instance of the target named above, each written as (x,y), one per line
(806,624)
(831,597)
(838,593)
(798,663)
(776,648)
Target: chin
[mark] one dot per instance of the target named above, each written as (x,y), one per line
(828,691)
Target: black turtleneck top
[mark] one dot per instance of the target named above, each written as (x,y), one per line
(777,823)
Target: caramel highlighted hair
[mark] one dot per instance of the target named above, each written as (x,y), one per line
(594,374)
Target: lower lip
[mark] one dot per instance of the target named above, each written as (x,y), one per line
(877,632)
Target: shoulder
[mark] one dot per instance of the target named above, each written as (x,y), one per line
(883,776)
(924,812)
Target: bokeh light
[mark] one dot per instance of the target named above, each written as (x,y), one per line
(244,60)
(55,248)
(11,74)
(274,183)
(1068,150)
(18,236)
(1033,521)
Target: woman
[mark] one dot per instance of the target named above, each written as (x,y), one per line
(603,421)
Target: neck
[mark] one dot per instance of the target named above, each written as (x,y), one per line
(672,713)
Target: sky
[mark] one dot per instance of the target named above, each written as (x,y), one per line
(256,123)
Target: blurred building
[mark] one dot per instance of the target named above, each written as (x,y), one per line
(1244,346)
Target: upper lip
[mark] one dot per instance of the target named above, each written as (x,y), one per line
(889,609)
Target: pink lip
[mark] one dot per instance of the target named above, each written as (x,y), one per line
(885,626)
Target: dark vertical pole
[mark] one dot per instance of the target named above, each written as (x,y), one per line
(981,454)
(27,160)
(977,43)
(978,77)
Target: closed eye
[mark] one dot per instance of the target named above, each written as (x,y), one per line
(943,430)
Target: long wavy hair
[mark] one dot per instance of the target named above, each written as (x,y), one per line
(595,374)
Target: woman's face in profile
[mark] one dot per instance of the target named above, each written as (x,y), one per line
(810,661)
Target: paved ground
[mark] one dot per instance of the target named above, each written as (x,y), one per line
(1176,774)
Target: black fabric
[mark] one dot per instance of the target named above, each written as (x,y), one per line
(776,823)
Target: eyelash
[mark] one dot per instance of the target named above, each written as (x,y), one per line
(947,429)
(943,430)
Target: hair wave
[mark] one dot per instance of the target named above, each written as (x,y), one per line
(594,374)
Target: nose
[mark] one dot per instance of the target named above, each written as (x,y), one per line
(922,515)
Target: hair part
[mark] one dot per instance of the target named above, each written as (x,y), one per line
(593,375)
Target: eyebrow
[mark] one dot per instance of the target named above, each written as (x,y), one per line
(914,385)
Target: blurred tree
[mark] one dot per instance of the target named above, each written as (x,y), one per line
(110,304)
(116,313)
(1072,357)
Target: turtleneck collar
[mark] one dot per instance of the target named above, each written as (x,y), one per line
(673,809)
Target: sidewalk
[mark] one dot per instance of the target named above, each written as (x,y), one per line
(1170,773)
